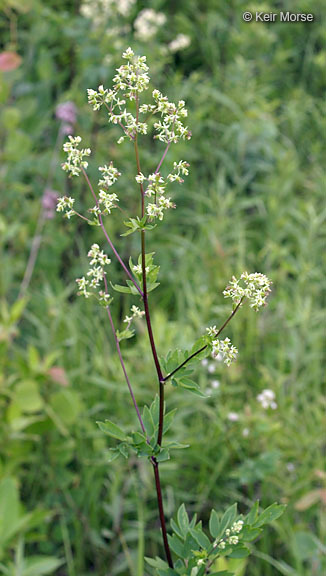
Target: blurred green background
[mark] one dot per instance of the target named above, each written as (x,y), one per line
(253,200)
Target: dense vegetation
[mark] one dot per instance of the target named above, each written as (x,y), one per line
(253,200)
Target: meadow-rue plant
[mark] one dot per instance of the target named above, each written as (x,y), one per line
(189,550)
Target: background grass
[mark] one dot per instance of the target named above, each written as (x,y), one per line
(254,200)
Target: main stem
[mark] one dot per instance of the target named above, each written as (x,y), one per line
(156,362)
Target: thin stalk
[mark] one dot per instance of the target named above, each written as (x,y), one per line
(203,347)
(108,237)
(122,362)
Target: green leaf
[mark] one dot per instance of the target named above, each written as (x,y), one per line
(253,514)
(40,565)
(156,562)
(168,419)
(201,538)
(228,517)
(176,545)
(249,534)
(240,552)
(112,430)
(176,445)
(163,455)
(214,524)
(148,422)
(176,529)
(122,289)
(183,519)
(155,410)
(113,454)
(271,513)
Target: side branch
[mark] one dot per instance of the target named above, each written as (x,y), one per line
(203,347)
(122,362)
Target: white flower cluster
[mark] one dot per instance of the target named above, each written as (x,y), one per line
(75,160)
(132,79)
(135,313)
(65,204)
(230,535)
(99,10)
(181,42)
(170,128)
(156,188)
(106,201)
(267,399)
(179,168)
(95,274)
(148,22)
(255,287)
(224,347)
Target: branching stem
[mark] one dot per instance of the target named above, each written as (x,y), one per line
(203,347)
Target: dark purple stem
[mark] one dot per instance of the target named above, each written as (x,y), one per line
(108,237)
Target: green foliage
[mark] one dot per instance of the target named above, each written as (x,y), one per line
(143,444)
(197,554)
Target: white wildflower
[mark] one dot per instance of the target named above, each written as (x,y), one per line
(181,42)
(233,416)
(148,22)
(75,162)
(267,399)
(65,204)
(224,347)
(237,527)
(256,287)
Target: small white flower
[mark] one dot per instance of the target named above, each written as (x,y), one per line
(236,527)
(224,347)
(215,384)
(233,540)
(75,162)
(211,368)
(204,362)
(255,287)
(181,42)
(267,399)
(245,432)
(233,416)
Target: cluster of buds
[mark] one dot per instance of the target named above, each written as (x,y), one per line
(226,349)
(255,287)
(171,127)
(95,275)
(231,537)
(75,162)
(157,186)
(106,201)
